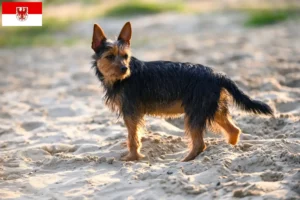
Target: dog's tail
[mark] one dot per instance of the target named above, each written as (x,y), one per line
(242,100)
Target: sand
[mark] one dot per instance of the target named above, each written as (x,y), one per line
(59,141)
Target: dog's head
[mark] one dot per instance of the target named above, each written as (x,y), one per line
(112,57)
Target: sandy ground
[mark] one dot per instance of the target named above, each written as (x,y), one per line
(59,141)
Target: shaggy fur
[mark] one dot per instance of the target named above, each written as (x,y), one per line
(168,89)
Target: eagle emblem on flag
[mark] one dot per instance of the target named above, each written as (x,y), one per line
(22,13)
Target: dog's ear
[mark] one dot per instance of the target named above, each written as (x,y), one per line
(98,37)
(125,34)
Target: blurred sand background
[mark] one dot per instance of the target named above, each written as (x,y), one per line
(59,141)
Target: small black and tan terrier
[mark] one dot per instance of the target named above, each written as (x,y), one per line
(135,88)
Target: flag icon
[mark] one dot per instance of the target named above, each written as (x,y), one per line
(22,14)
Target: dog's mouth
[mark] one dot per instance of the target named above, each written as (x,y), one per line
(125,74)
(117,76)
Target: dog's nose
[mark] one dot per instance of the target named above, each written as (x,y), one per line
(123,69)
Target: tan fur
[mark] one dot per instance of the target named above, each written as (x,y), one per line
(111,70)
(134,144)
(98,36)
(223,120)
(170,110)
(229,128)
(125,33)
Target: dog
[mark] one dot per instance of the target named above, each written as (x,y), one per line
(135,88)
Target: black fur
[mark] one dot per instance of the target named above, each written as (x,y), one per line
(162,82)
(243,101)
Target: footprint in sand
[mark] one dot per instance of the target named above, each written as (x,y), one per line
(292,77)
(271,176)
(293,83)
(29,126)
(61,112)
(288,106)
(5,115)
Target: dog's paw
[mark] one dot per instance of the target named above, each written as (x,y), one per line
(132,157)
(194,153)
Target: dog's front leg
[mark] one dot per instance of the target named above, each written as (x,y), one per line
(134,144)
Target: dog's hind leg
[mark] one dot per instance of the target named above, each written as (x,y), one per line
(229,128)
(197,144)
(223,119)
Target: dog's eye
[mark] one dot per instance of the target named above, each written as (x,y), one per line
(125,56)
(110,57)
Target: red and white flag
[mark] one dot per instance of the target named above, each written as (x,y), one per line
(22,14)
